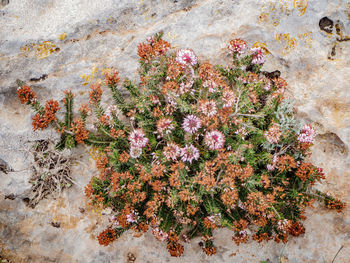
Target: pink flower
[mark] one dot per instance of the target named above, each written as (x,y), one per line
(135,152)
(267,86)
(159,234)
(273,134)
(165,126)
(114,220)
(154,99)
(214,140)
(186,56)
(191,124)
(189,153)
(150,40)
(186,87)
(237,46)
(229,98)
(283,225)
(216,218)
(171,151)
(211,85)
(137,139)
(132,218)
(307,134)
(242,131)
(271,167)
(258,56)
(209,108)
(171,99)
(111,110)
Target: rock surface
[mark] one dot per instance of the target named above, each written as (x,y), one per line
(56,45)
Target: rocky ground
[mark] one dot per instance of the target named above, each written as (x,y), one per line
(56,45)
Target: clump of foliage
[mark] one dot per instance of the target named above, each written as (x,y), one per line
(195,147)
(51,172)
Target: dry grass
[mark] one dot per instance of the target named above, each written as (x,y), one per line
(51,172)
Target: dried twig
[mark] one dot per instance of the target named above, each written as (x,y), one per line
(249,115)
(337,253)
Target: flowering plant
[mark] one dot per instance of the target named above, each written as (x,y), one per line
(195,147)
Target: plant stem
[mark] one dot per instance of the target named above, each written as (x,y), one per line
(274,209)
(105,132)
(69,112)
(96,142)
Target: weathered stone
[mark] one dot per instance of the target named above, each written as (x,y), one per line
(311,53)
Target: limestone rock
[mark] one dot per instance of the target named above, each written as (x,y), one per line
(56,45)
